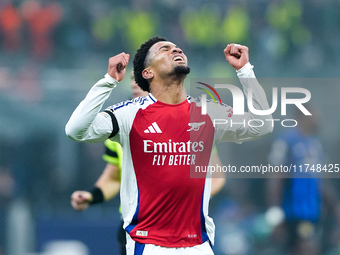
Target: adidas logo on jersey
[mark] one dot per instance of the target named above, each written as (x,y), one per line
(154,128)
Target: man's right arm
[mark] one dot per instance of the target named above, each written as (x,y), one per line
(86,123)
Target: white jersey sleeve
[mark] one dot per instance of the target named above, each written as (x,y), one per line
(246,127)
(87,124)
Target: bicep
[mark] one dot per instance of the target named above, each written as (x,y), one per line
(97,131)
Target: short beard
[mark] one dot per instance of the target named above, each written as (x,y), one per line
(182,70)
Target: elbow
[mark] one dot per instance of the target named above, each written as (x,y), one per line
(69,132)
(83,134)
(72,133)
(265,127)
(268,126)
(261,131)
(268,130)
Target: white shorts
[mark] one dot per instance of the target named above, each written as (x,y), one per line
(134,248)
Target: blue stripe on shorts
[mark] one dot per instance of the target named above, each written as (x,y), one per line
(139,248)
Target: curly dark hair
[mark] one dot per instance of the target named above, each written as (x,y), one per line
(139,62)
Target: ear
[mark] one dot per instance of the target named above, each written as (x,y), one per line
(147,74)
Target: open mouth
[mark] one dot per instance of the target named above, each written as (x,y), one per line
(178,59)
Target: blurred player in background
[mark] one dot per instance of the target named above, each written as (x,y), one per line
(109,181)
(300,198)
(165,211)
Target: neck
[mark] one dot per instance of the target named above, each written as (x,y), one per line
(170,91)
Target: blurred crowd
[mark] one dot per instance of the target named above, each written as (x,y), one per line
(279,31)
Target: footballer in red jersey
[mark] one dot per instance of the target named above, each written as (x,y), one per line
(163,135)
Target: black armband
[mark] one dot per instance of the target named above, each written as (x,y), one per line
(97,195)
(115,127)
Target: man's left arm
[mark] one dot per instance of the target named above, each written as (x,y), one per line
(248,126)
